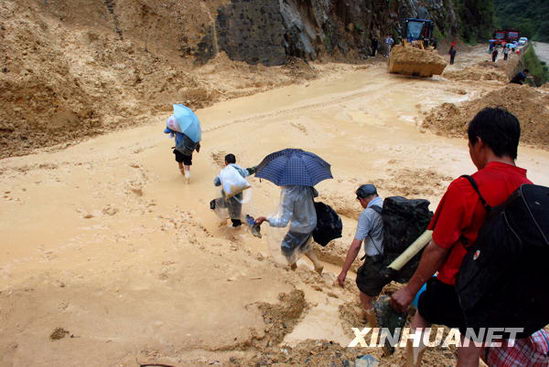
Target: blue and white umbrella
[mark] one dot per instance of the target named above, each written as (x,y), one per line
(185,121)
(294,167)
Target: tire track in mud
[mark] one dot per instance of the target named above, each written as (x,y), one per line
(316,105)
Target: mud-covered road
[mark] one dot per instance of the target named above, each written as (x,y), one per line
(542,50)
(105,241)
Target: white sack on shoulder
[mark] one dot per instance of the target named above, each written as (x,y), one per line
(232,182)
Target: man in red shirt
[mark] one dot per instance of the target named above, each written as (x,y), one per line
(493,141)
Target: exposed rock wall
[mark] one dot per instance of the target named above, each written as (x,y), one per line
(259,31)
(252,31)
(268,31)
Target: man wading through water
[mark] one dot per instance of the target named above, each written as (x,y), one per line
(370,230)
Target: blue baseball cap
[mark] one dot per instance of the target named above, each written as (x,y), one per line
(365,191)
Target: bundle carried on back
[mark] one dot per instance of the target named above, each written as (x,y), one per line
(404,220)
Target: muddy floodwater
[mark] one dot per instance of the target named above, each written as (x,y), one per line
(105,240)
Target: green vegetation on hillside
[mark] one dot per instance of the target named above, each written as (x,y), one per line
(536,68)
(530,17)
(477,19)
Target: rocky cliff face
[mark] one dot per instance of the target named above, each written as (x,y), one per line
(269,31)
(260,31)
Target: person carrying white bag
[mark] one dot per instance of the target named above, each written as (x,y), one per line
(233,182)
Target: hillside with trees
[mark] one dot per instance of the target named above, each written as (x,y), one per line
(476,19)
(530,17)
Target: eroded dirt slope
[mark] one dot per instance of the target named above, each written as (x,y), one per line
(74,69)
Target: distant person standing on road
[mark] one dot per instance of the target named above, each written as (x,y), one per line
(389,42)
(495,54)
(452,54)
(505,53)
(375,44)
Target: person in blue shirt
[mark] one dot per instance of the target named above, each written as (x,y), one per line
(521,77)
(370,232)
(183,150)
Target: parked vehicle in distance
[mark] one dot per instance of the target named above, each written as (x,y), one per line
(504,36)
(522,41)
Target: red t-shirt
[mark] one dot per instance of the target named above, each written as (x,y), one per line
(460,213)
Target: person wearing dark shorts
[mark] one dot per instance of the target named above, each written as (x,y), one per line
(493,141)
(440,305)
(186,160)
(369,279)
(183,151)
(370,231)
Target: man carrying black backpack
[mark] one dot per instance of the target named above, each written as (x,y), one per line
(493,141)
(370,230)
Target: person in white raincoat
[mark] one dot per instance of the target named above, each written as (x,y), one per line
(232,205)
(296,209)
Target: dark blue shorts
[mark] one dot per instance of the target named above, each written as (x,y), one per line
(187,160)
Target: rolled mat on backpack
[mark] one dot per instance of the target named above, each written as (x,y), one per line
(411,251)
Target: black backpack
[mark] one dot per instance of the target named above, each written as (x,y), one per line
(404,220)
(503,280)
(186,145)
(328,224)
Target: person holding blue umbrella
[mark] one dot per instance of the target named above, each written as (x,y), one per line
(297,172)
(185,127)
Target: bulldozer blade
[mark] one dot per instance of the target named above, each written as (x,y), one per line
(415,61)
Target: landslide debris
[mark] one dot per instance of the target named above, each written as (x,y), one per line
(485,70)
(281,318)
(311,353)
(529,105)
(68,72)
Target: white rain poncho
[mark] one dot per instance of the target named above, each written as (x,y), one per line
(296,209)
(230,206)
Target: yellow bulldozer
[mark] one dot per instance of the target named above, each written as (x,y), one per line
(416,55)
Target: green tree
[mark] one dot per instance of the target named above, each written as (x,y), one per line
(530,17)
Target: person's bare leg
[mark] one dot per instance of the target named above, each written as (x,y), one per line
(468,356)
(291,258)
(414,355)
(310,253)
(188,173)
(368,312)
(181,168)
(366,301)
